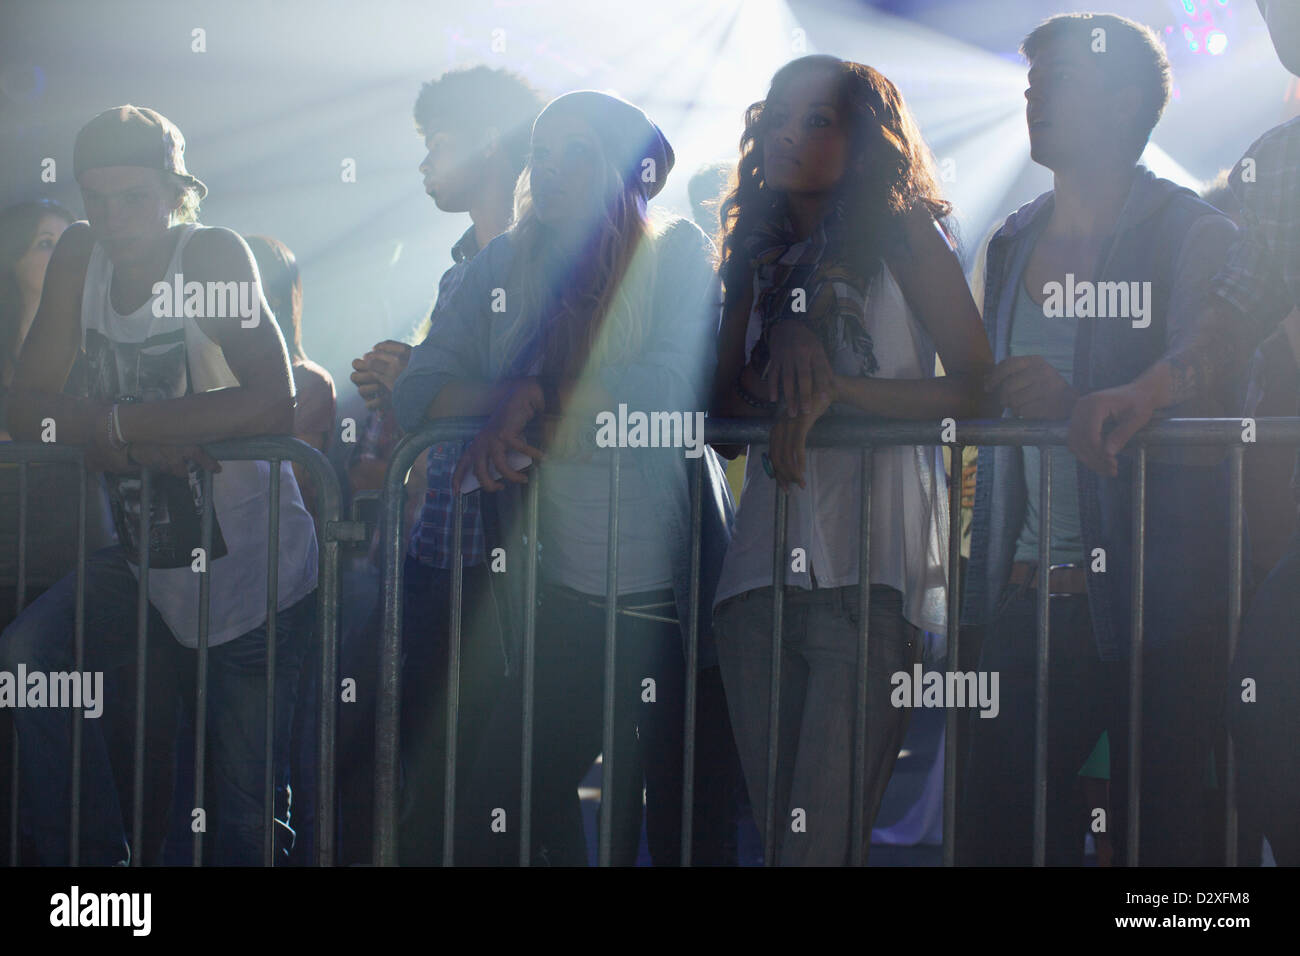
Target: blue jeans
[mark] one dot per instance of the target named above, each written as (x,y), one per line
(42,639)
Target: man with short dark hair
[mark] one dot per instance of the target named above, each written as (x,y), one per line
(475,124)
(1085,286)
(1255,291)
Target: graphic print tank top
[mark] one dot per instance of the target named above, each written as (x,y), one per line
(145,357)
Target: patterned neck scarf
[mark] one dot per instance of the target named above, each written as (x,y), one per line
(808,282)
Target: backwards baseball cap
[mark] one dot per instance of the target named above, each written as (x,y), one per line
(626,134)
(133,136)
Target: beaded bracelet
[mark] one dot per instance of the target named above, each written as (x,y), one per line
(111,428)
(118,439)
(753,400)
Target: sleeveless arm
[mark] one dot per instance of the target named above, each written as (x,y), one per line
(263,402)
(51,348)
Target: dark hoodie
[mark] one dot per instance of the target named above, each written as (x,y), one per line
(1167,236)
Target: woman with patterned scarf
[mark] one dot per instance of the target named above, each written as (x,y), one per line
(841,281)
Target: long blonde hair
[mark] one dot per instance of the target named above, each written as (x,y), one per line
(604,295)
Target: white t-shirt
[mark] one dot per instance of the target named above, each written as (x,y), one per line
(909,507)
(574,528)
(165,357)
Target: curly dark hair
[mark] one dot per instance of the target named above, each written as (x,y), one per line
(478,97)
(896,174)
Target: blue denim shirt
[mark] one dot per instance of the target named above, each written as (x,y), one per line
(1167,236)
(671,372)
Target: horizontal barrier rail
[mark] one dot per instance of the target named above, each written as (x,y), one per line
(330,530)
(862,434)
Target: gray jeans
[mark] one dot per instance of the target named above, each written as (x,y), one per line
(818,698)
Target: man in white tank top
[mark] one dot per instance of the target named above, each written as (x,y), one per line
(171,368)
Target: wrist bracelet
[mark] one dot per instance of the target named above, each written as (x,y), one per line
(118,440)
(110,429)
(750,398)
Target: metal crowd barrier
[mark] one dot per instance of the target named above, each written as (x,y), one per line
(330,530)
(863,435)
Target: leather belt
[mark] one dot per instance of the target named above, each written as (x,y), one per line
(1062,578)
(664,611)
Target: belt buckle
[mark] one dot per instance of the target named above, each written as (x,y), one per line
(1050,569)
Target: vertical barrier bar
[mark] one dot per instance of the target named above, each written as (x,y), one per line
(328,597)
(952,725)
(388,699)
(1235,557)
(453,680)
(13,799)
(327,606)
(21,600)
(201,690)
(692,663)
(79,663)
(272,606)
(22,537)
(328,534)
(1041,677)
(611,663)
(1135,655)
(529,670)
(774,689)
(141,665)
(860,825)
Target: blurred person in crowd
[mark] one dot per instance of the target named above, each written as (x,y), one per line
(1258,288)
(707,189)
(29,232)
(313,418)
(313,423)
(1270,389)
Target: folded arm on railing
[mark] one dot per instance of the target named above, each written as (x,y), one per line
(263,402)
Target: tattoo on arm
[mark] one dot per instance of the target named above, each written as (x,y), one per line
(1206,361)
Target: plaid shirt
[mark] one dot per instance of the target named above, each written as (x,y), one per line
(432,536)
(1262,277)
